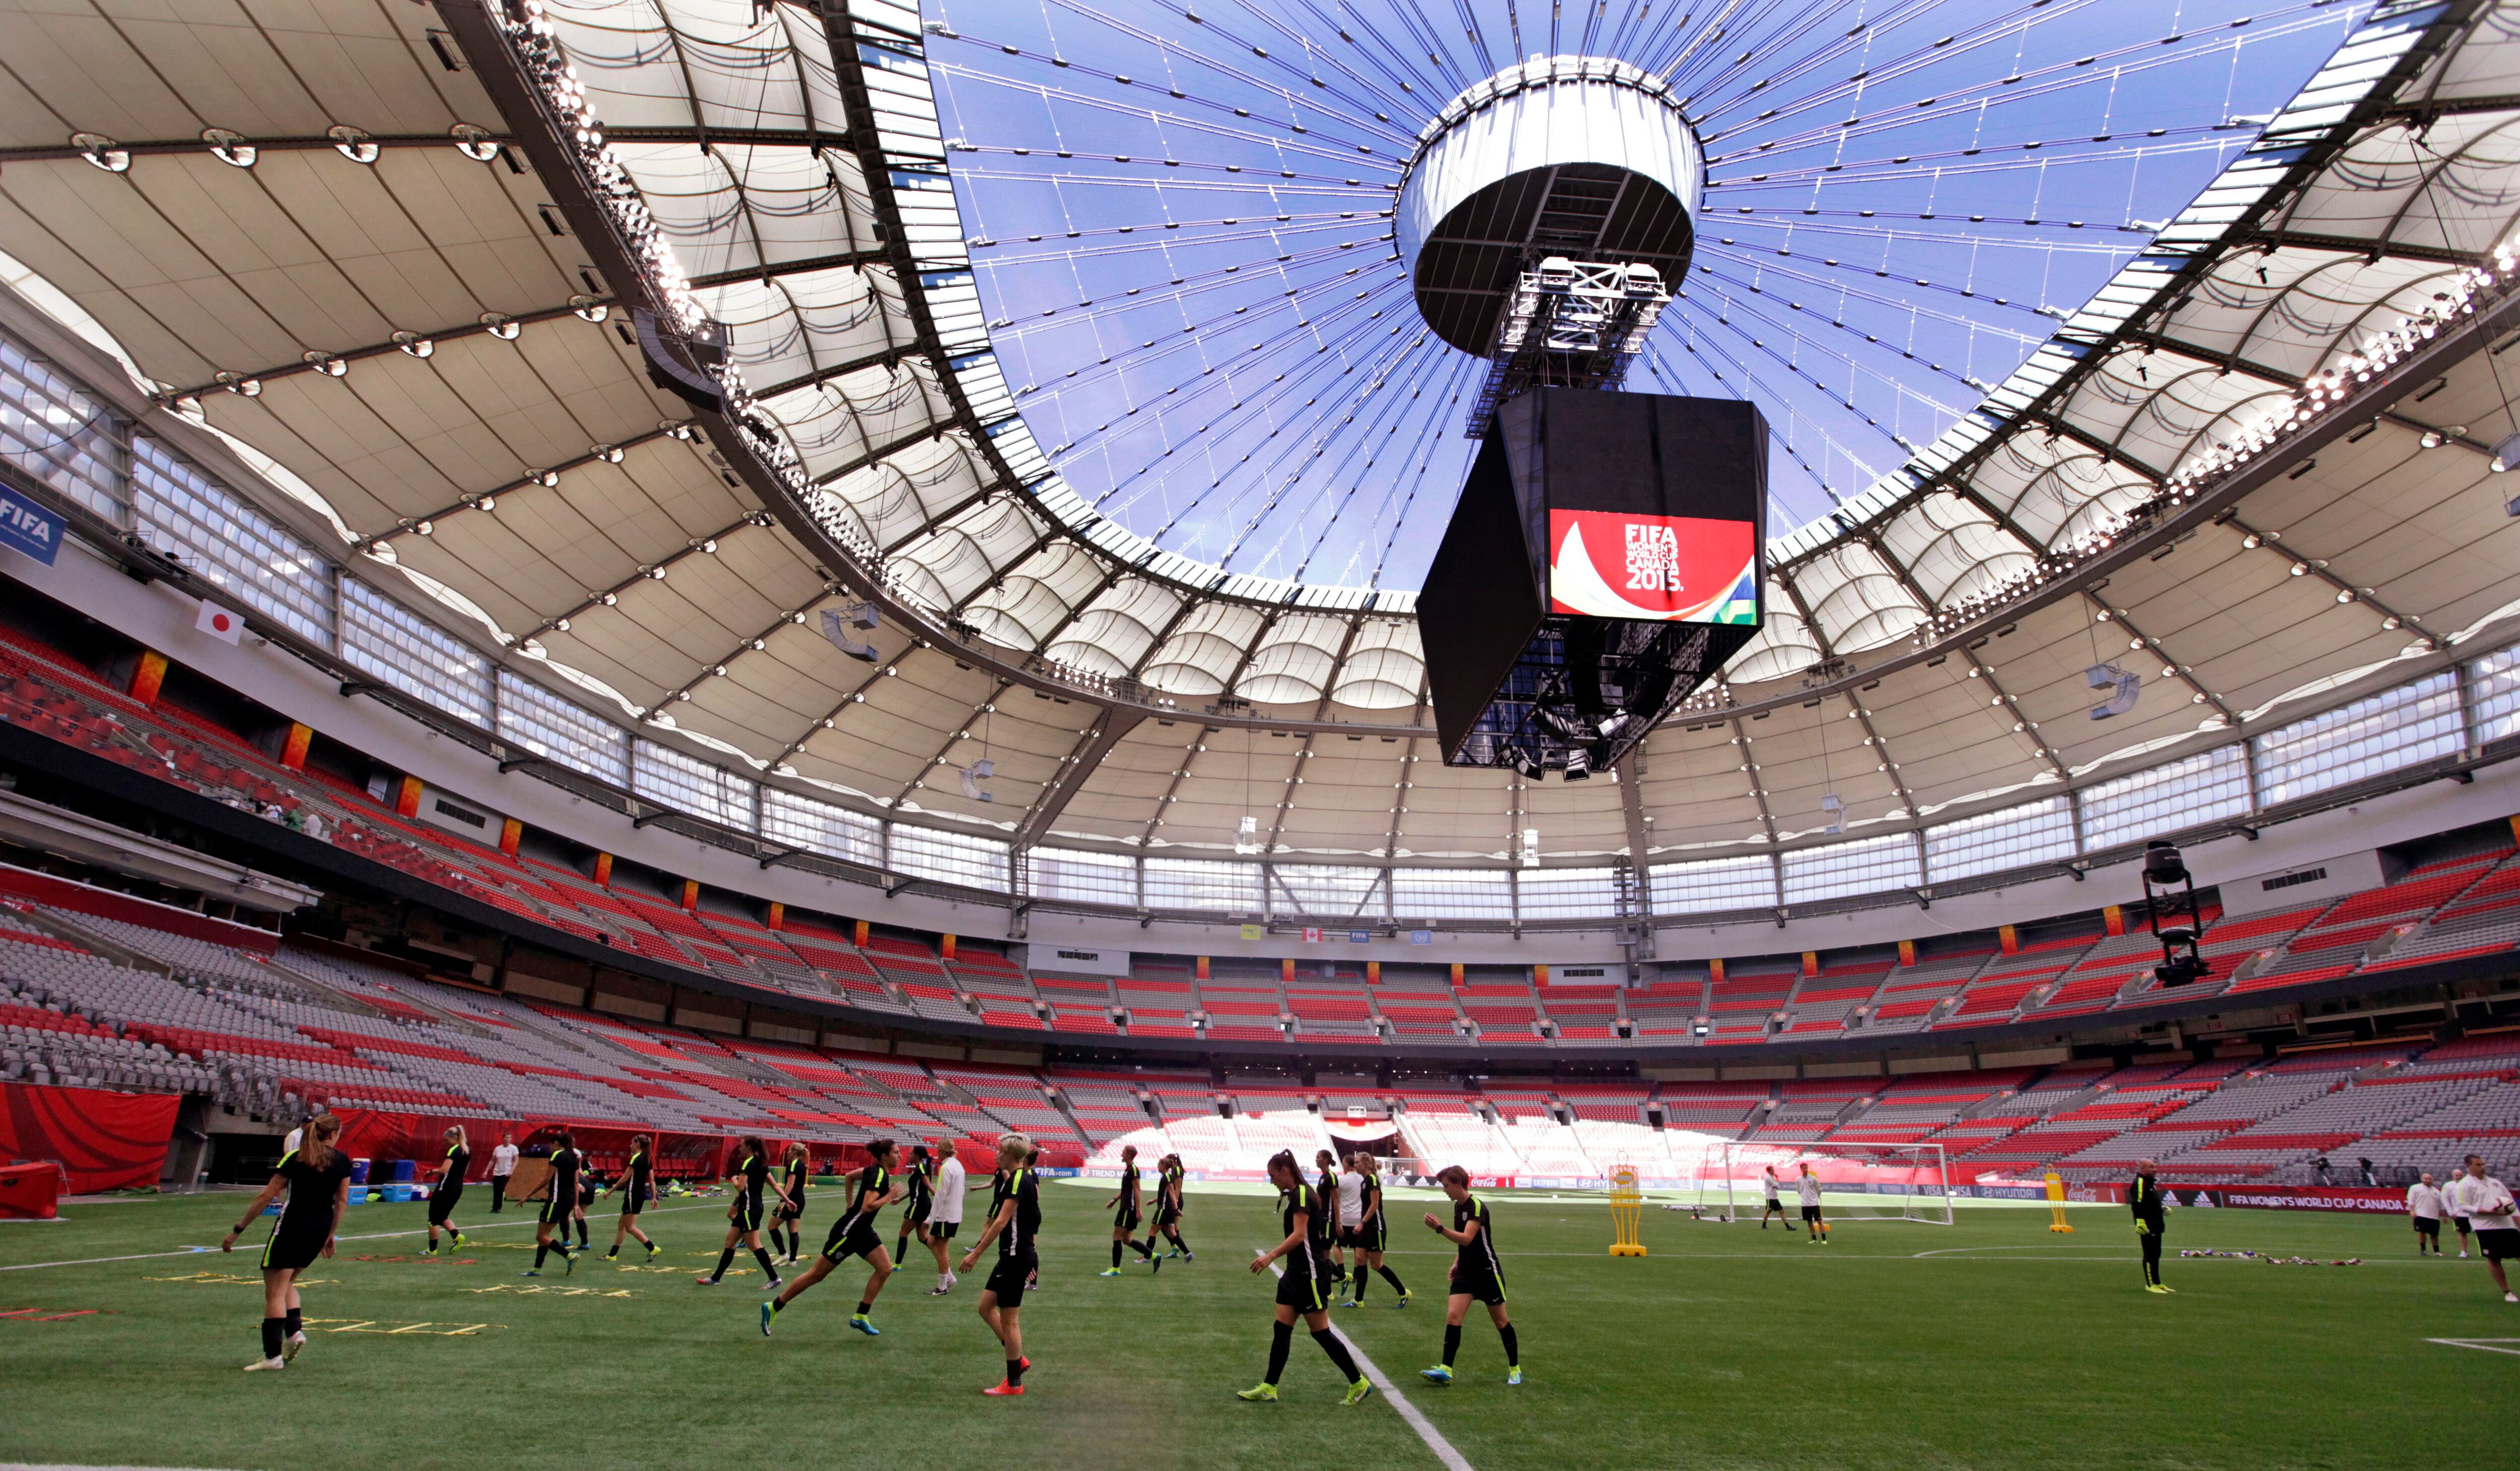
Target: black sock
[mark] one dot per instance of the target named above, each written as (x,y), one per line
(1361,1280)
(1338,1354)
(762,1257)
(295,1321)
(1279,1342)
(272,1331)
(541,1250)
(1452,1342)
(1116,1256)
(863,1306)
(1014,1372)
(725,1259)
(581,1236)
(1512,1345)
(1145,1248)
(1392,1277)
(901,1249)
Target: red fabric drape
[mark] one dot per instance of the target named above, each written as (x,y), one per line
(105,1141)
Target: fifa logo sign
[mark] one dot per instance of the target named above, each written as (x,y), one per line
(1653,557)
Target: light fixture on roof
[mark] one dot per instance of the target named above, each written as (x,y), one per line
(325,363)
(103,152)
(589,307)
(545,477)
(474,141)
(353,142)
(414,344)
(501,325)
(238,382)
(227,146)
(611,454)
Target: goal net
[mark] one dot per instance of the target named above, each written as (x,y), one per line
(1857,1181)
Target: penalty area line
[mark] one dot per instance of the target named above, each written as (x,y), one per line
(1410,1414)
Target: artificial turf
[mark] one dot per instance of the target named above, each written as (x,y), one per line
(1727,1347)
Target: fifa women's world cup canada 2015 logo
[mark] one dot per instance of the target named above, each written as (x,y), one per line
(1663,568)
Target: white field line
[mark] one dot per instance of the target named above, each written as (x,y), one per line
(1452,1460)
(2488,1345)
(206,1251)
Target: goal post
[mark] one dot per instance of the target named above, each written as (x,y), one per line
(1857,1181)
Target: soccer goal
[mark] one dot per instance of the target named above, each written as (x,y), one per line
(1857,1181)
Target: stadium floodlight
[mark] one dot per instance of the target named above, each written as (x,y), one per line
(2122,686)
(1908,1182)
(2170,912)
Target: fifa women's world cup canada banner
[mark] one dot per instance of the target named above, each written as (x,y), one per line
(1657,569)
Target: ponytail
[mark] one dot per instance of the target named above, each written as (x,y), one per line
(316,1147)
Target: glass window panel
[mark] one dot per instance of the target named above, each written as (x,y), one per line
(690,785)
(2394,729)
(2038,832)
(2206,787)
(412,654)
(562,730)
(2494,684)
(247,555)
(1866,865)
(949,857)
(1329,890)
(1566,894)
(820,827)
(1452,894)
(53,430)
(1084,878)
(1203,884)
(1713,885)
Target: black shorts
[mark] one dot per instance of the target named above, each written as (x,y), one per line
(1810,1212)
(1775,1205)
(1007,1279)
(633,1202)
(1478,1283)
(1305,1292)
(851,1236)
(1125,1218)
(1370,1236)
(2499,1245)
(1349,1236)
(441,1204)
(941,1230)
(2431,1228)
(1167,1219)
(292,1251)
(2461,1223)
(555,1210)
(745,1214)
(916,1216)
(791,1213)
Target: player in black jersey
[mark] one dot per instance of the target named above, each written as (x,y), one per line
(317,1175)
(794,1166)
(1372,1231)
(637,1186)
(1014,1222)
(586,1192)
(854,1235)
(750,1178)
(448,1190)
(1326,1185)
(567,1165)
(1303,1286)
(1478,1274)
(919,1180)
(1125,1220)
(1168,1208)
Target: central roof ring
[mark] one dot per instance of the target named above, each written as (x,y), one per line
(1574,156)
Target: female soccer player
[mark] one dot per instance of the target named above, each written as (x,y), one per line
(566,1163)
(919,1180)
(945,1215)
(449,1189)
(317,1176)
(1303,1287)
(1372,1231)
(1124,1220)
(854,1235)
(1014,1219)
(1168,1208)
(750,1177)
(791,1210)
(637,1186)
(1327,1188)
(1477,1274)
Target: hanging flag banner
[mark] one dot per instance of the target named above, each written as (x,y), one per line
(1359,936)
(1907,952)
(27,527)
(1252,932)
(603,870)
(776,919)
(219,622)
(293,751)
(1421,937)
(1312,937)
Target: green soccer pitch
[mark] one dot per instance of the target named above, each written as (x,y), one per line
(1991,1342)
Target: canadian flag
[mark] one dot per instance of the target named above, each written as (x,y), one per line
(1312,937)
(219,624)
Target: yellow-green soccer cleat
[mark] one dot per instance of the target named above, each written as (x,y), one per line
(1259,1394)
(1513,1376)
(1441,1373)
(1357,1391)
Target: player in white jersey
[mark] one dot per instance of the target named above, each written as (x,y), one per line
(2425,1207)
(1807,1190)
(945,1216)
(1350,1241)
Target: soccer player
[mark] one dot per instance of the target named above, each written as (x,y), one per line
(2424,1206)
(317,1176)
(1479,1275)
(1303,1287)
(1168,1207)
(566,1163)
(1807,1190)
(945,1216)
(791,1206)
(2487,1204)
(1771,1190)
(2143,1197)
(1373,1232)
(920,1180)
(854,1235)
(1124,1220)
(449,1189)
(503,1164)
(637,1186)
(1014,1221)
(1349,1201)
(750,1178)
(577,1207)
(2458,1213)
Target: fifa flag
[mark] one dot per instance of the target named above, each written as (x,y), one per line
(1251,932)
(219,624)
(1312,937)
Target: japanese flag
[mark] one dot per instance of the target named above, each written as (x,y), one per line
(219,624)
